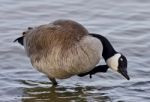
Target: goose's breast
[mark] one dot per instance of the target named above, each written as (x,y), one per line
(87,53)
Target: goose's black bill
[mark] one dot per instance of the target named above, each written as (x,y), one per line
(124,73)
(20,40)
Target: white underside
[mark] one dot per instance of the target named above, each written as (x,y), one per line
(81,58)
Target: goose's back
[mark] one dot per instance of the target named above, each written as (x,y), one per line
(64,33)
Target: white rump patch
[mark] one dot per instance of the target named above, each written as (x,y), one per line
(112,62)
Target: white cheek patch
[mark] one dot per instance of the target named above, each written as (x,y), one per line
(112,62)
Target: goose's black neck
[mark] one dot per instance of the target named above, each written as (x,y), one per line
(108,49)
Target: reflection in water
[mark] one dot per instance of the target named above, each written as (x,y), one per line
(48,93)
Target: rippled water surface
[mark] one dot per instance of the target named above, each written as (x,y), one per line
(126,23)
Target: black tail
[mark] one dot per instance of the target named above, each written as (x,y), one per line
(20,40)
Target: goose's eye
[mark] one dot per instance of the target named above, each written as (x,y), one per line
(121,59)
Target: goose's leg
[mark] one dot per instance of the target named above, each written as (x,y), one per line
(53,80)
(100,68)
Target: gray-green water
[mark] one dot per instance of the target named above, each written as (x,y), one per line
(126,23)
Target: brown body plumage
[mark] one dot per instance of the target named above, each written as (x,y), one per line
(62,33)
(62,48)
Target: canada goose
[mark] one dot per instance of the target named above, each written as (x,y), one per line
(65,48)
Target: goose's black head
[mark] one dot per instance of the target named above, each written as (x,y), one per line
(122,67)
(114,60)
(118,62)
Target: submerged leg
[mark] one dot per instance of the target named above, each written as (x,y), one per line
(53,80)
(100,68)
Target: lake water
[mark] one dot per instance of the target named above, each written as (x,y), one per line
(126,23)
